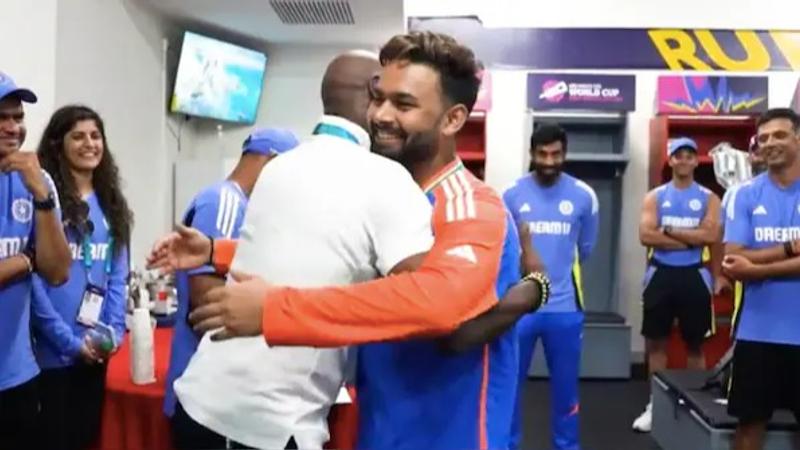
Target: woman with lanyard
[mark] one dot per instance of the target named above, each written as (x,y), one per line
(79,324)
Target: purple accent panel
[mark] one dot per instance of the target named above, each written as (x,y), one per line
(580,48)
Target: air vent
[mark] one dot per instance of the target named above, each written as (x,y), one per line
(313,12)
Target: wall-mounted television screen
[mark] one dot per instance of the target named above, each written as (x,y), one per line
(218,80)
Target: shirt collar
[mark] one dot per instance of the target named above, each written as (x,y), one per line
(360,134)
(443,173)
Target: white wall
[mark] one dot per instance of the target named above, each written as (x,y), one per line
(508,124)
(27,54)
(109,55)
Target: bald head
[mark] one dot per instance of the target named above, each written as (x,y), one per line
(345,85)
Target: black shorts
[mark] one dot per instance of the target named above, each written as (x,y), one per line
(765,377)
(677,292)
(19,416)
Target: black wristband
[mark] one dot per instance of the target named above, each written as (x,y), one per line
(48,204)
(211,253)
(788,250)
(667,230)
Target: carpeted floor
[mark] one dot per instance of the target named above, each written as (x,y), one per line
(607,410)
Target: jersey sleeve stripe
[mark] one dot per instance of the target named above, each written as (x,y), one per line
(483,438)
(229,208)
(730,208)
(592,195)
(234,215)
(469,198)
(458,198)
(221,208)
(448,194)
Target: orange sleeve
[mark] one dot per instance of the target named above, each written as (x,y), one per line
(224,250)
(455,283)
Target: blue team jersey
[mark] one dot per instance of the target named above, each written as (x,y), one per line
(58,334)
(563,221)
(413,395)
(17,225)
(681,208)
(762,214)
(217,211)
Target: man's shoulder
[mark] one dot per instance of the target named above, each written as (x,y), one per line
(746,189)
(216,194)
(463,196)
(585,192)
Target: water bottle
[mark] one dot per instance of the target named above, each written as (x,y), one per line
(102,338)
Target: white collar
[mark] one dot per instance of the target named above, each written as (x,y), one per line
(359,133)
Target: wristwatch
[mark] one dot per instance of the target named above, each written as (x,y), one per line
(47,204)
(541,279)
(667,230)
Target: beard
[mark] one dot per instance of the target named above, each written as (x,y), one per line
(547,174)
(414,147)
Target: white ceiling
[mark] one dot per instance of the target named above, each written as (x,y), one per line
(375,21)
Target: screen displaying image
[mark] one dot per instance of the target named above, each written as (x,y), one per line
(218,80)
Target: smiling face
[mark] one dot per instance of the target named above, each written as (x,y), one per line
(683,162)
(778,143)
(406,112)
(548,160)
(84,146)
(12,125)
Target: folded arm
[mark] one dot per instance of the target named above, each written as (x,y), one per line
(649,233)
(13,268)
(707,233)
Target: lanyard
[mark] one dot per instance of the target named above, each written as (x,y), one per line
(335,130)
(88,262)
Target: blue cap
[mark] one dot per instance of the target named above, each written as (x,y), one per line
(681,143)
(8,87)
(269,141)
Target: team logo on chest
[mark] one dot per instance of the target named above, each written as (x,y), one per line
(566,207)
(22,210)
(695,205)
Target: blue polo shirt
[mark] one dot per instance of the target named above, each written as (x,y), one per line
(17,226)
(58,335)
(681,208)
(563,220)
(761,214)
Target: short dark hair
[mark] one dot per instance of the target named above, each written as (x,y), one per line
(456,64)
(547,133)
(780,113)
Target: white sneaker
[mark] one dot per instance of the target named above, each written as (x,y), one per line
(644,423)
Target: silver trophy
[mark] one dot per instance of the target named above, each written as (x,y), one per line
(731,165)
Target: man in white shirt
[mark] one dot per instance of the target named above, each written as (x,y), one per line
(370,220)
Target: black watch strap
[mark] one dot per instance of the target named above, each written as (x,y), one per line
(47,204)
